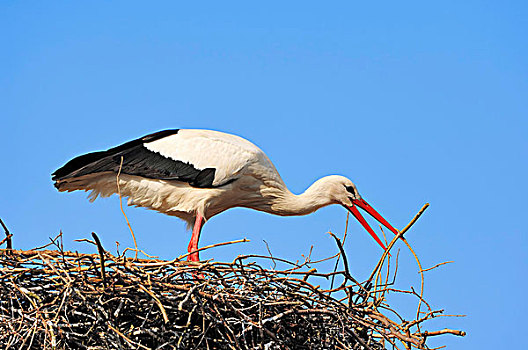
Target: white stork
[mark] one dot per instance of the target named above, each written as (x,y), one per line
(196,174)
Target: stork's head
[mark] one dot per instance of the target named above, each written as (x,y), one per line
(344,192)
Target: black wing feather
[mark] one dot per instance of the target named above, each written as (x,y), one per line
(136,160)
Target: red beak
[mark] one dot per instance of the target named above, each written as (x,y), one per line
(366,207)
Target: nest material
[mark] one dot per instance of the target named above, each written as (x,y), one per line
(54,299)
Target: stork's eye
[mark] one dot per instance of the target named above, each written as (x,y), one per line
(351,189)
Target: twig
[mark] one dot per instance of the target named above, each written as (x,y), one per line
(181,257)
(421,276)
(122,210)
(101,258)
(391,244)
(339,256)
(7,239)
(345,263)
(445,331)
(126,338)
(158,302)
(437,265)
(271,255)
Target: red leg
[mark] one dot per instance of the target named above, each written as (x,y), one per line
(193,244)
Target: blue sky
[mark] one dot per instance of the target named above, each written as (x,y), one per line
(415,102)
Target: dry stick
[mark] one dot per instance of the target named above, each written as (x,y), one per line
(445,331)
(391,244)
(388,268)
(345,263)
(358,338)
(155,264)
(56,253)
(51,243)
(422,278)
(126,338)
(438,348)
(7,239)
(383,291)
(412,291)
(339,256)
(138,262)
(429,315)
(140,251)
(158,302)
(121,205)
(437,265)
(313,262)
(101,257)
(243,240)
(243,257)
(271,255)
(378,278)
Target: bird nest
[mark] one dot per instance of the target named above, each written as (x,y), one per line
(56,299)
